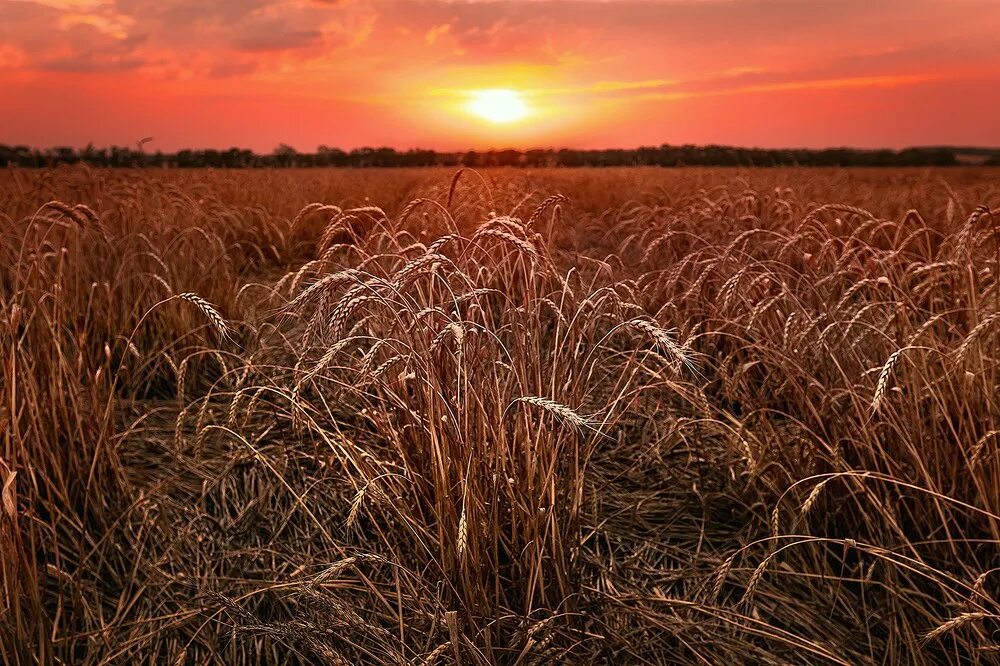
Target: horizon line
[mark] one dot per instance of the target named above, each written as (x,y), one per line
(139,146)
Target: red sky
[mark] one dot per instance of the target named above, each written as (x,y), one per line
(594,73)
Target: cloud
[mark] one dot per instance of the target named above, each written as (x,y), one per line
(92,62)
(433,33)
(12,57)
(799,84)
(113,25)
(579,39)
(231,69)
(277,38)
(188,38)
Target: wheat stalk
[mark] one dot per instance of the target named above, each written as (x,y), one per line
(463,534)
(506,236)
(813,497)
(561,411)
(554,199)
(209,311)
(954,623)
(352,515)
(436,653)
(681,354)
(882,385)
(974,335)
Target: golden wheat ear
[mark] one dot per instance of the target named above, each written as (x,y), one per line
(207,309)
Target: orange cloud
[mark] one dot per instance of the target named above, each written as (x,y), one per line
(432,35)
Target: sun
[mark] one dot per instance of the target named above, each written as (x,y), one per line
(497,105)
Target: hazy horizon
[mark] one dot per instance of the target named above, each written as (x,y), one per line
(151,147)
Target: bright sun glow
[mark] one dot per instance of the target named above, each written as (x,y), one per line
(499,105)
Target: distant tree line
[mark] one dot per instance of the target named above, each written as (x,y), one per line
(665,155)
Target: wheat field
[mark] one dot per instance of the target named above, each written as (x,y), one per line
(691,416)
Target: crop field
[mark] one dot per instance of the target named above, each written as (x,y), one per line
(692,416)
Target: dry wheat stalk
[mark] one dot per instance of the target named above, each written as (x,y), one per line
(976,332)
(980,446)
(326,283)
(308,209)
(209,311)
(324,360)
(234,406)
(507,237)
(252,403)
(435,247)
(352,515)
(340,566)
(560,410)
(719,578)
(956,622)
(463,534)
(418,266)
(453,330)
(368,359)
(436,653)
(679,353)
(351,300)
(552,200)
(386,364)
(178,428)
(881,386)
(555,309)
(755,579)
(978,587)
(813,497)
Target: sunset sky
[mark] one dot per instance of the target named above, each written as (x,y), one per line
(586,73)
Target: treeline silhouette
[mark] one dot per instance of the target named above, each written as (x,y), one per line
(665,155)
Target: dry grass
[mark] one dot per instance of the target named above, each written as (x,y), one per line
(691,416)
